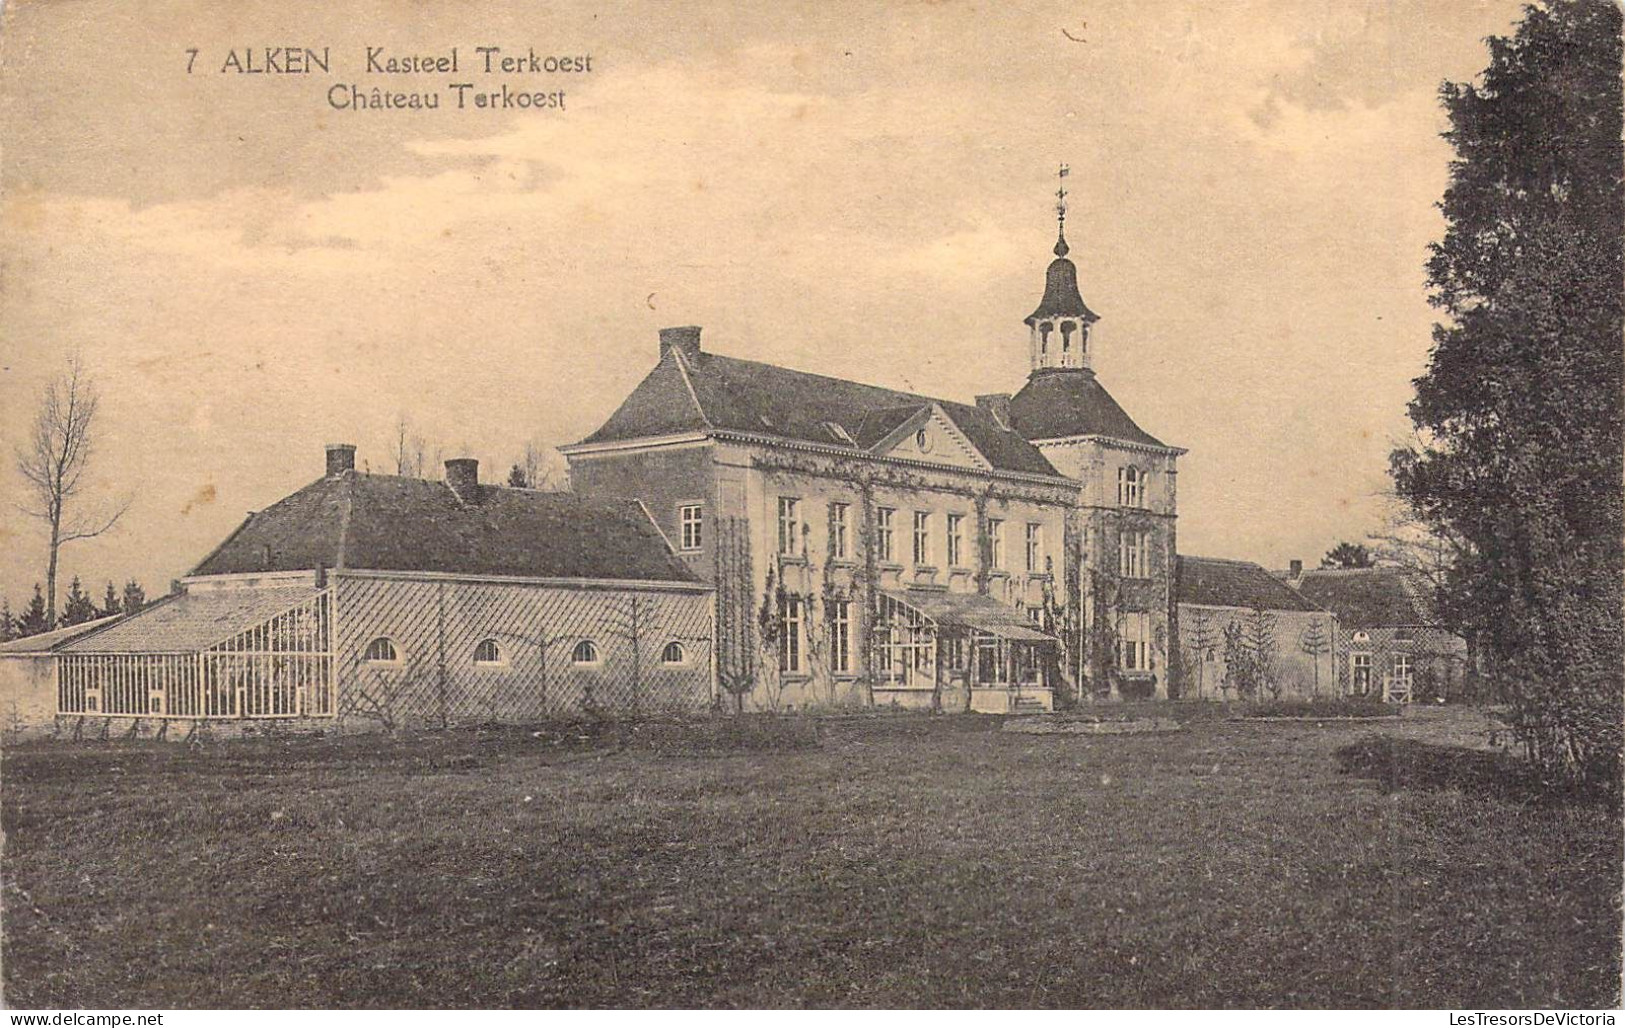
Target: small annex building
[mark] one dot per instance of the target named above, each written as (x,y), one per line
(1301,637)
(380,600)
(1390,640)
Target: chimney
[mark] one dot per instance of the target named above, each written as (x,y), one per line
(463,478)
(684,337)
(1294,570)
(998,405)
(340,458)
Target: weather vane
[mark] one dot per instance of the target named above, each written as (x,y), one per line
(1060,195)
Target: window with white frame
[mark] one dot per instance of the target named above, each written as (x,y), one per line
(885,550)
(789,526)
(1402,674)
(1134,642)
(956,540)
(1035,548)
(488,652)
(673,654)
(922,538)
(381,651)
(691,522)
(1360,673)
(585,654)
(995,542)
(1130,486)
(1133,553)
(840,516)
(789,634)
(840,635)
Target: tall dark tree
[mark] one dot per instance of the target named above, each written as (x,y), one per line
(1519,412)
(1348,555)
(78,607)
(8,623)
(110,601)
(134,597)
(35,618)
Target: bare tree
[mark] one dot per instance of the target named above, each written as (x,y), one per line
(411,449)
(540,467)
(54,464)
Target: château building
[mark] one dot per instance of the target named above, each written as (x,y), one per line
(874,546)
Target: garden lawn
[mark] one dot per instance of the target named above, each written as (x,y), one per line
(905,861)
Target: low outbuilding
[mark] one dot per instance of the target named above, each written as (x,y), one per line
(368,599)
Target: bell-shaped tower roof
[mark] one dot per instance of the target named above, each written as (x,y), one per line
(1061,296)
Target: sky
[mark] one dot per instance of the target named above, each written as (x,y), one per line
(857,189)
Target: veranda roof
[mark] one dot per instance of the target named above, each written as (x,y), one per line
(970,610)
(192,621)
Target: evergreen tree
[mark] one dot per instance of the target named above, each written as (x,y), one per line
(134,597)
(1518,414)
(8,624)
(110,601)
(35,618)
(1348,555)
(79,607)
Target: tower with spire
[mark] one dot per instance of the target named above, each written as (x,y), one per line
(1121,574)
(1059,328)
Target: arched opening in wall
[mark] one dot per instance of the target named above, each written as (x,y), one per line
(488,652)
(585,654)
(1066,337)
(1044,330)
(673,655)
(381,651)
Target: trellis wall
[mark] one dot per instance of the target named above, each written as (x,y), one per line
(1438,661)
(435,627)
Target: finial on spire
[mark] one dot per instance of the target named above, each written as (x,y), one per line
(1061,249)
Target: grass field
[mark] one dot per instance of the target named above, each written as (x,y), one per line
(903,861)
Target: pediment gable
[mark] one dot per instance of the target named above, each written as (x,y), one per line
(930,435)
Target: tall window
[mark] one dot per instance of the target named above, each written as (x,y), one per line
(885,551)
(1130,487)
(839,516)
(1134,642)
(692,526)
(956,540)
(1133,553)
(1360,673)
(840,635)
(790,634)
(922,538)
(995,541)
(1035,548)
(789,526)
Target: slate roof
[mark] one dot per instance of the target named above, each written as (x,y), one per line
(688,392)
(1369,597)
(388,523)
(45,642)
(1214,582)
(1060,402)
(192,621)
